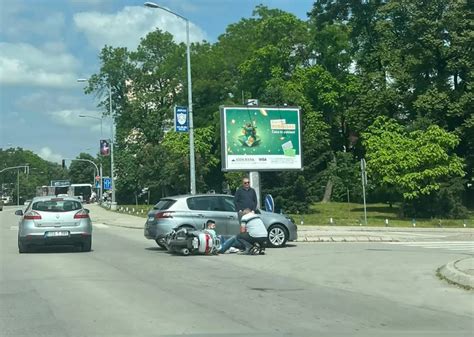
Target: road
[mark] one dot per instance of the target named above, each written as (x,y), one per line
(128,287)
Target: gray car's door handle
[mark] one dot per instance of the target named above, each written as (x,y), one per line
(231,217)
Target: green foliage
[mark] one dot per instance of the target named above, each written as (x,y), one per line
(446,202)
(397,72)
(83,172)
(416,162)
(41,172)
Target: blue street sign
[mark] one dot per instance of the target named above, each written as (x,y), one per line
(107,183)
(269,203)
(181,119)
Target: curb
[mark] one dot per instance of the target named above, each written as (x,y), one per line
(345,239)
(452,274)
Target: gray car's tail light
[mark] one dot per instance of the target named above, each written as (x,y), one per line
(32,215)
(81,215)
(162,215)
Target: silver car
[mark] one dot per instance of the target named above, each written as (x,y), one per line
(192,211)
(54,221)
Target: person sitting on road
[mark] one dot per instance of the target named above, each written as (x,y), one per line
(252,230)
(210,227)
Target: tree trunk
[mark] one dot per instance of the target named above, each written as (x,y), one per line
(328,191)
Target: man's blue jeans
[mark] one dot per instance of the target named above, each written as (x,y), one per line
(230,242)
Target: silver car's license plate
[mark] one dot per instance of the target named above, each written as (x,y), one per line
(57,233)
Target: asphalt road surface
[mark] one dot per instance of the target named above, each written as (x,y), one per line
(128,287)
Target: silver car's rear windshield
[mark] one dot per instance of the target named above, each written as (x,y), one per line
(58,205)
(164,204)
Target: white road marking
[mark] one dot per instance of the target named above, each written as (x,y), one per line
(449,245)
(418,234)
(100,225)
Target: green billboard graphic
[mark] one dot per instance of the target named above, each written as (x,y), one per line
(261,138)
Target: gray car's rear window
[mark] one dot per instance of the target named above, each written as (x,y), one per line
(56,206)
(164,204)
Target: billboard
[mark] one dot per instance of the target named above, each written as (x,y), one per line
(261,138)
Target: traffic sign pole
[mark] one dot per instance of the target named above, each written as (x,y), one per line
(364,183)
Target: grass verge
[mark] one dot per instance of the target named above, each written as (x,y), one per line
(349,214)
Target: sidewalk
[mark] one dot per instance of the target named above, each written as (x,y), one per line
(460,272)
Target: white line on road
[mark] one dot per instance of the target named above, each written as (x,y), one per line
(100,225)
(420,243)
(14,228)
(449,245)
(418,234)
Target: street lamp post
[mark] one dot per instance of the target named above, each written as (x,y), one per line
(113,205)
(99,171)
(192,165)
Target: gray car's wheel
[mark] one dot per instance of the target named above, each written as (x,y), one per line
(22,248)
(277,236)
(87,244)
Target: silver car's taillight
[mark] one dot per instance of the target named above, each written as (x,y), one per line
(32,215)
(82,214)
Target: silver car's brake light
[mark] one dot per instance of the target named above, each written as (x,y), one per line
(162,215)
(32,215)
(81,215)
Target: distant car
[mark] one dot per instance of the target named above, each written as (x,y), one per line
(54,221)
(27,202)
(192,211)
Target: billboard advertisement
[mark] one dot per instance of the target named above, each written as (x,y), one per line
(104,147)
(261,138)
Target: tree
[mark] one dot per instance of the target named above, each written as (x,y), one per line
(40,172)
(415,163)
(82,172)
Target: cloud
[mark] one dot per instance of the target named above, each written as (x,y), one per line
(23,21)
(126,27)
(47,154)
(70,117)
(24,64)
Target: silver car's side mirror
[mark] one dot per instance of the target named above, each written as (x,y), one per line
(86,210)
(19,212)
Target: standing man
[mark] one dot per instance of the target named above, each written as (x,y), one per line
(245,197)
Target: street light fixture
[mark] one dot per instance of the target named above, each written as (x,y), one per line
(113,205)
(94,117)
(192,166)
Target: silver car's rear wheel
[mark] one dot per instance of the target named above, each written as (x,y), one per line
(22,248)
(277,236)
(87,245)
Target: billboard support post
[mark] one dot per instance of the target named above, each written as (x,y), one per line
(254,178)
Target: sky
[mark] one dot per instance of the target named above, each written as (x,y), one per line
(46,45)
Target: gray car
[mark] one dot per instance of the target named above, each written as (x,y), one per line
(54,221)
(192,211)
